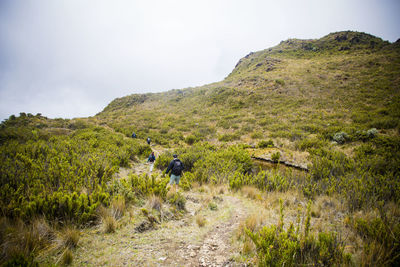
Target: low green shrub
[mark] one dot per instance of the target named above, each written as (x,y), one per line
(229,137)
(310,143)
(265,144)
(218,166)
(276,156)
(340,137)
(191,139)
(177,199)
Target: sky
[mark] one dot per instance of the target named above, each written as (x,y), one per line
(71,58)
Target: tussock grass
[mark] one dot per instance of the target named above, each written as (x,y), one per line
(253,222)
(200,220)
(68,237)
(118,207)
(109,224)
(155,202)
(21,240)
(251,192)
(67,257)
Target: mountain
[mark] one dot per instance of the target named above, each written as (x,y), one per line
(346,81)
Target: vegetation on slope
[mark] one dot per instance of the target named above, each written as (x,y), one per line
(335,99)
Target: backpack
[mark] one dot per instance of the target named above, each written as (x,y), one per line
(178,167)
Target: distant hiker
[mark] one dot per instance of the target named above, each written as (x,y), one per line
(133,135)
(148,140)
(151,159)
(176,167)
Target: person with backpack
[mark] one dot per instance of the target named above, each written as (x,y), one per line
(133,135)
(176,167)
(148,140)
(151,159)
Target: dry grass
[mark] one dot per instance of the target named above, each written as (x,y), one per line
(248,246)
(200,220)
(17,238)
(109,224)
(68,237)
(118,207)
(67,257)
(251,192)
(253,223)
(155,202)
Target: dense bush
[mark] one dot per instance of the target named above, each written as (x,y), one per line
(65,176)
(340,137)
(265,180)
(218,166)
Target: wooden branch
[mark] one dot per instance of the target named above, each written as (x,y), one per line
(282,162)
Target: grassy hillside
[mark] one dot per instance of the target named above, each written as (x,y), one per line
(346,81)
(331,104)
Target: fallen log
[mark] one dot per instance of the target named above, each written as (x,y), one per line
(292,165)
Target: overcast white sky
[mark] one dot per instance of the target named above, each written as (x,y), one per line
(70,58)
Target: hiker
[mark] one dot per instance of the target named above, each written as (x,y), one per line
(176,167)
(151,159)
(133,135)
(148,140)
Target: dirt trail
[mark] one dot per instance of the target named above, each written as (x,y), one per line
(177,242)
(215,248)
(141,167)
(172,243)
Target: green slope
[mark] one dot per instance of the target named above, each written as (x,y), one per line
(345,81)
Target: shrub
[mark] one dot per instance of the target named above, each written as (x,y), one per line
(190,139)
(177,199)
(311,143)
(20,260)
(371,133)
(264,144)
(280,82)
(276,156)
(212,206)
(340,137)
(257,135)
(229,137)
(329,163)
(218,166)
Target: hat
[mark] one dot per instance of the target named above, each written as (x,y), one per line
(175,155)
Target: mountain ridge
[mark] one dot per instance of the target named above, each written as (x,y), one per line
(342,41)
(269,90)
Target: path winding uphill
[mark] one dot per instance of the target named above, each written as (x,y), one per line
(214,249)
(175,242)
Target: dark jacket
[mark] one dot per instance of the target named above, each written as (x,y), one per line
(151,158)
(175,171)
